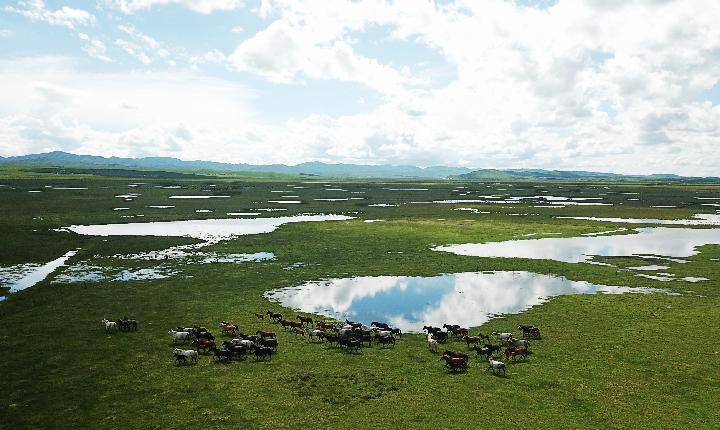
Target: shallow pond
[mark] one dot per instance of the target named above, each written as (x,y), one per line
(210,230)
(670,242)
(24,276)
(468,299)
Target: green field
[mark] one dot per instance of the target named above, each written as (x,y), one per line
(606,361)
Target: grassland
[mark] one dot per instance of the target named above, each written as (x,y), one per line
(606,361)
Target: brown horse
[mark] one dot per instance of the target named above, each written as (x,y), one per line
(474,340)
(298,331)
(265,333)
(304,320)
(203,344)
(229,327)
(456,355)
(514,352)
(455,363)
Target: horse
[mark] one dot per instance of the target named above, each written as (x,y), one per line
(493,348)
(324,325)
(515,351)
(261,352)
(109,325)
(482,350)
(180,359)
(396,331)
(380,325)
(126,324)
(471,340)
(203,344)
(304,320)
(228,327)
(269,342)
(189,353)
(275,316)
(179,335)
(204,335)
(432,343)
(222,354)
(385,340)
(351,344)
(314,333)
(454,363)
(298,331)
(265,334)
(454,354)
(332,338)
(236,350)
(512,342)
(441,336)
(259,315)
(496,365)
(285,323)
(530,331)
(503,337)
(486,337)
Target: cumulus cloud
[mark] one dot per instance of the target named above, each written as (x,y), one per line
(570,84)
(66,16)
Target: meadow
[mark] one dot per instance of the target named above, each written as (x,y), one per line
(605,361)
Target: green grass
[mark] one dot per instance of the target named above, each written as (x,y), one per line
(606,361)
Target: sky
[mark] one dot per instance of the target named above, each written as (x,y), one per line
(605,85)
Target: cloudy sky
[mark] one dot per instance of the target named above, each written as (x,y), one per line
(607,85)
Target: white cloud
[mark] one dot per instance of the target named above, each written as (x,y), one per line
(200,6)
(66,16)
(581,84)
(49,104)
(95,48)
(141,46)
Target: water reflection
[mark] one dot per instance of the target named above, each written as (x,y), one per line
(210,230)
(671,242)
(468,299)
(25,276)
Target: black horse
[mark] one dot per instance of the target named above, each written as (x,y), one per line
(261,352)
(385,340)
(180,359)
(380,325)
(222,354)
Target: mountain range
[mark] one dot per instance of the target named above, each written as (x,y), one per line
(68,160)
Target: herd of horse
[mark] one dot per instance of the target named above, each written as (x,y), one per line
(350,336)
(481,344)
(262,344)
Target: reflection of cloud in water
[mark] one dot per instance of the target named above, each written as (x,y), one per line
(469,299)
(674,242)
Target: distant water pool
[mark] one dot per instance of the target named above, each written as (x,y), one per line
(409,302)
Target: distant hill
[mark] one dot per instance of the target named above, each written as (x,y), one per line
(568,175)
(317,169)
(59,158)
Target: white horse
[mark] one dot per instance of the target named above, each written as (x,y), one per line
(109,325)
(179,335)
(496,365)
(432,343)
(190,353)
(505,337)
(244,342)
(384,333)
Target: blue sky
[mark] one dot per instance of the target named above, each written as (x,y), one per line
(570,84)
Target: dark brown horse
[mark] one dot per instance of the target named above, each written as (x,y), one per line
(265,333)
(472,340)
(455,363)
(514,352)
(274,315)
(454,354)
(203,344)
(304,320)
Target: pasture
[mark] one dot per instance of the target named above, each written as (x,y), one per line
(611,361)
